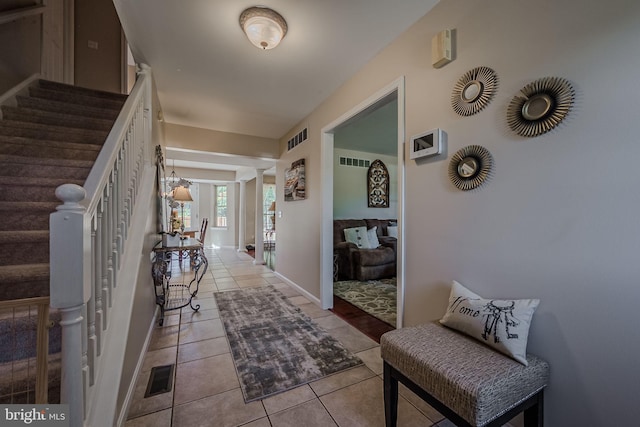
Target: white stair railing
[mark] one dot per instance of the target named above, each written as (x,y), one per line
(88,237)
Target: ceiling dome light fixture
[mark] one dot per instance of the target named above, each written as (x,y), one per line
(264,27)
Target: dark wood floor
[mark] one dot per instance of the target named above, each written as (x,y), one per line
(366,323)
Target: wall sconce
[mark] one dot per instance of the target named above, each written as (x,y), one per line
(264,27)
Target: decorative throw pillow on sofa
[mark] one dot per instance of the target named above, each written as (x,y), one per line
(501,324)
(357,235)
(372,235)
(392,231)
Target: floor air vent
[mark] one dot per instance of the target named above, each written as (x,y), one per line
(160,381)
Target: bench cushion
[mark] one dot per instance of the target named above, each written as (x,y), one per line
(476,382)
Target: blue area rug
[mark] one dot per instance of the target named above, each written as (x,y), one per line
(275,346)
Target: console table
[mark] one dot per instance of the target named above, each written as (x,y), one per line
(177,294)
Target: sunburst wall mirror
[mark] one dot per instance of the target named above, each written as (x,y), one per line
(474,91)
(470,167)
(540,106)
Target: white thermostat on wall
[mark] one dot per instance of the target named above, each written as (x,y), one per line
(426,144)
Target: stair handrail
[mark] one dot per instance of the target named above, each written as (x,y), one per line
(88,233)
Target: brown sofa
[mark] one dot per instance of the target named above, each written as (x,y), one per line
(353,263)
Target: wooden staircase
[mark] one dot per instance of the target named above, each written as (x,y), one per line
(48,137)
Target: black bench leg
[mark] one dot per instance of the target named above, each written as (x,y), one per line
(390,397)
(534,416)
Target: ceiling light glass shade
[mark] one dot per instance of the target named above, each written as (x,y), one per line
(181,194)
(265,28)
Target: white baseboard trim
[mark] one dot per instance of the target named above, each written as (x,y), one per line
(122,418)
(304,292)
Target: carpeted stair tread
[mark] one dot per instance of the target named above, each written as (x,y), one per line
(76,98)
(53,133)
(71,163)
(24,247)
(15,189)
(57,106)
(63,87)
(52,136)
(24,281)
(52,118)
(13,274)
(19,146)
(24,236)
(44,207)
(26,215)
(37,182)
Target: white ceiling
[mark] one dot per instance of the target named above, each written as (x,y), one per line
(209,75)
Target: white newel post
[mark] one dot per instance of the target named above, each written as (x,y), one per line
(70,287)
(259,254)
(242,223)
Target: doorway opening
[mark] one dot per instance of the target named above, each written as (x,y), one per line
(345,141)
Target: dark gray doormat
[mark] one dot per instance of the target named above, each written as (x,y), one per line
(275,346)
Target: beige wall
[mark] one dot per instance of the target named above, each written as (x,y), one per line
(100,68)
(558,219)
(187,137)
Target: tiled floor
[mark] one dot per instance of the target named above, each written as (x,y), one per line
(206,390)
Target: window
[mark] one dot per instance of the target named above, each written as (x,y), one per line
(220,207)
(268,197)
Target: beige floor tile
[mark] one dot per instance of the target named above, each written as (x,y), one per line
(330,322)
(253,282)
(206,302)
(309,414)
(288,399)
(207,287)
(225,280)
(200,315)
(273,280)
(341,380)
(422,406)
(171,318)
(156,419)
(222,410)
(287,290)
(198,331)
(313,311)
(164,337)
(221,274)
(226,286)
(204,377)
(362,404)
(202,349)
(354,340)
(372,359)
(299,300)
(143,406)
(262,422)
(160,357)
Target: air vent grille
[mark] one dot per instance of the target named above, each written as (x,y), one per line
(297,139)
(350,161)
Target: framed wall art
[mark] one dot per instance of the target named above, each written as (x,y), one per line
(294,183)
(378,185)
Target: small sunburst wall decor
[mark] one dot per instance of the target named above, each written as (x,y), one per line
(540,106)
(470,167)
(474,91)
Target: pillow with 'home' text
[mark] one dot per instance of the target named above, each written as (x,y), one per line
(501,324)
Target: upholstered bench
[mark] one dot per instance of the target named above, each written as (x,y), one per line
(466,381)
